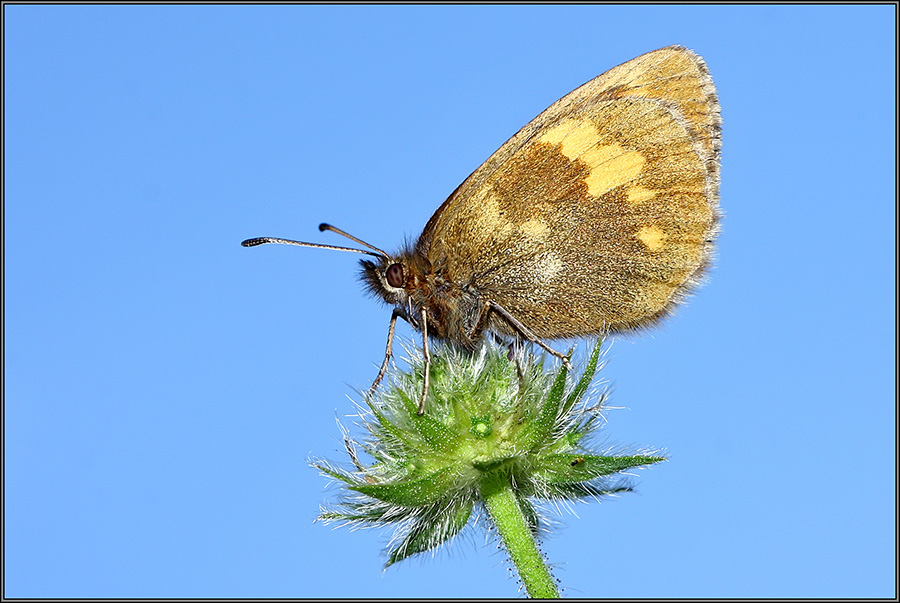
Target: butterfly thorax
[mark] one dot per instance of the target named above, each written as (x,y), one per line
(410,283)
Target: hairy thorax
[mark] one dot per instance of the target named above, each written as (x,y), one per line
(455,312)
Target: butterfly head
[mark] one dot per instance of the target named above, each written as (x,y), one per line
(387,278)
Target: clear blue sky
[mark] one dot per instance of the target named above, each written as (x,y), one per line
(164,387)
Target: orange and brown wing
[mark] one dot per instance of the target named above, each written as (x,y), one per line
(600,212)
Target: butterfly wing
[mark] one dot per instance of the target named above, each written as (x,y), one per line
(600,213)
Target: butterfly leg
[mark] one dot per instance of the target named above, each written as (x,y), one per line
(527,334)
(513,354)
(512,349)
(389,350)
(427,355)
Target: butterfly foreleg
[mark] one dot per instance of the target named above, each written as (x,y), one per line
(427,355)
(389,349)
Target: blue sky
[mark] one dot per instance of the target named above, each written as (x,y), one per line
(164,387)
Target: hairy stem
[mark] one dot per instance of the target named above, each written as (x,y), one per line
(504,509)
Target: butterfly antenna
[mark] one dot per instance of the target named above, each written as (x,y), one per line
(264,240)
(323,227)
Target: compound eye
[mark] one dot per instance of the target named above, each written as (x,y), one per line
(394,275)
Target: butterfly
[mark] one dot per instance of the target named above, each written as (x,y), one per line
(597,217)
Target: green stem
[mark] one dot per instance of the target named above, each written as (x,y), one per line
(504,509)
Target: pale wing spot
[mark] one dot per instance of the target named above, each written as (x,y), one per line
(577,137)
(617,167)
(535,274)
(489,212)
(652,237)
(535,229)
(611,165)
(489,215)
(639,194)
(486,223)
(550,266)
(558,133)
